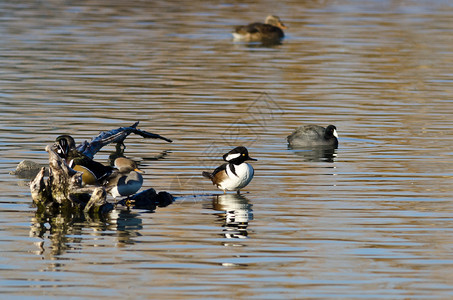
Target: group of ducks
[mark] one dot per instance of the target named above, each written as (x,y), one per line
(125,179)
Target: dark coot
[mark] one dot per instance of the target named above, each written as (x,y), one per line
(312,136)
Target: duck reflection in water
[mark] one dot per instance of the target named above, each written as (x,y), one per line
(236,215)
(316,154)
(64,230)
(126,225)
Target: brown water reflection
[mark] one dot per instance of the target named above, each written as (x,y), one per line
(372,220)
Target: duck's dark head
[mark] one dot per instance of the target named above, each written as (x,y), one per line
(237,156)
(63,144)
(331,131)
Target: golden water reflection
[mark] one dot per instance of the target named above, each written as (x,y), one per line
(371,221)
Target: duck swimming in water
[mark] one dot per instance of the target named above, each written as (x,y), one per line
(270,31)
(312,136)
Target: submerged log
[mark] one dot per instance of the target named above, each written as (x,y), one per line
(62,178)
(98,202)
(38,188)
(115,136)
(64,188)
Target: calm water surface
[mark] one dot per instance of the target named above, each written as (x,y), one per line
(372,220)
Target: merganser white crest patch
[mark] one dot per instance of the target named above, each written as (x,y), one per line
(232,156)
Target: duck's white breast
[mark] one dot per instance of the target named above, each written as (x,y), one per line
(244,174)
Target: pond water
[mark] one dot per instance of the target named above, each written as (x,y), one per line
(374,219)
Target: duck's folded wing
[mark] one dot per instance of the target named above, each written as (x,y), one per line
(268,30)
(250,28)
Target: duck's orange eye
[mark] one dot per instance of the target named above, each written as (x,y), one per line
(243,154)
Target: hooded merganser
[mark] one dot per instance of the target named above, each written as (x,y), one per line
(92,170)
(270,31)
(126,181)
(235,174)
(313,135)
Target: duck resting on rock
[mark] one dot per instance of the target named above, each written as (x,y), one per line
(126,180)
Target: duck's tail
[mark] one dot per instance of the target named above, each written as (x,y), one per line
(207,175)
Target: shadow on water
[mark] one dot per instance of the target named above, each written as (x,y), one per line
(236,213)
(316,154)
(120,149)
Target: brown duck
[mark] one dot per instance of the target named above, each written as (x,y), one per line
(269,31)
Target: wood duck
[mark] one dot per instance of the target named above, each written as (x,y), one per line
(235,174)
(270,31)
(313,136)
(125,181)
(93,171)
